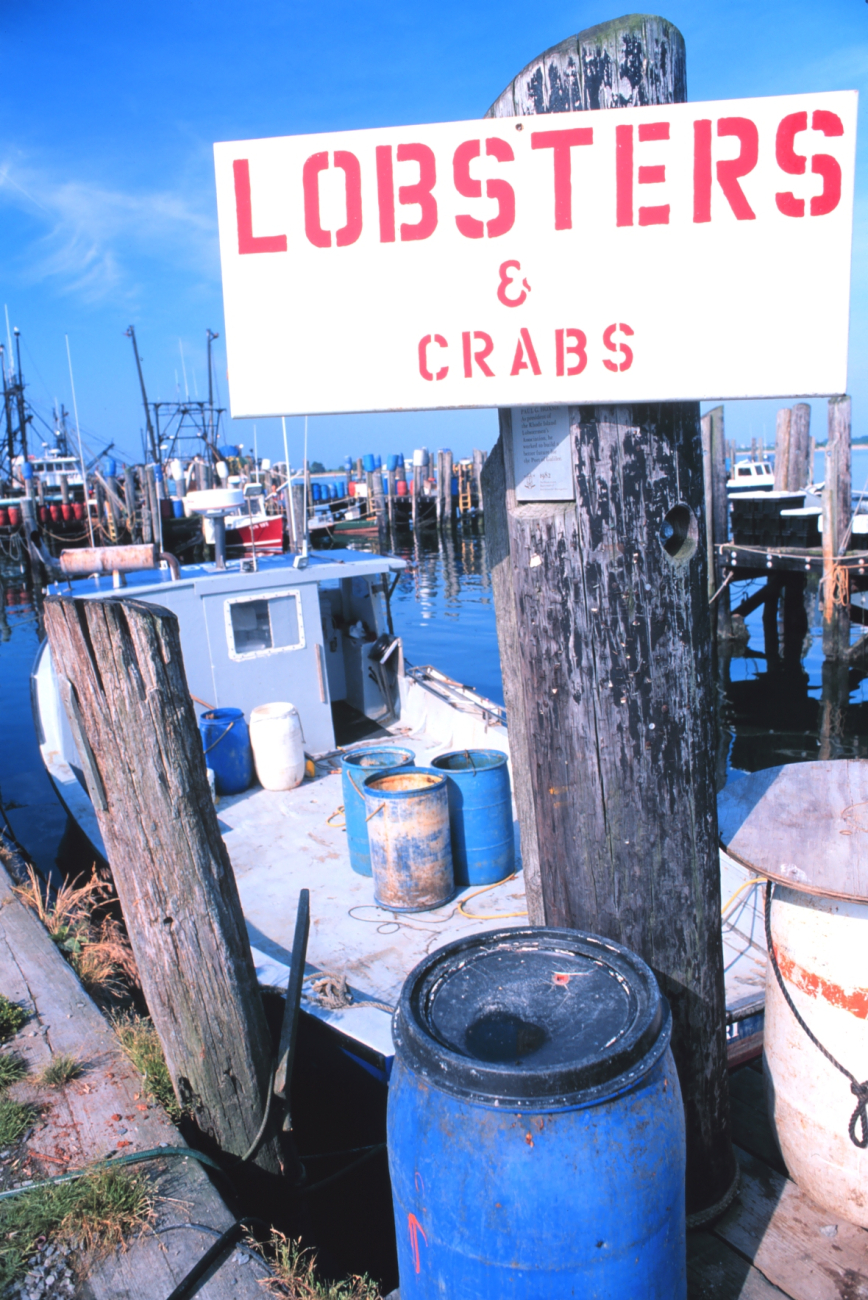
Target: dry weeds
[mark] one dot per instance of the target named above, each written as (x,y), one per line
(94,945)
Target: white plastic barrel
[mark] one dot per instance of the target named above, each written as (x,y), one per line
(278,746)
(821,946)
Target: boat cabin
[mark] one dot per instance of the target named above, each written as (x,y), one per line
(750,476)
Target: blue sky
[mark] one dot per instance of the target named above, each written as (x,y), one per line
(107,117)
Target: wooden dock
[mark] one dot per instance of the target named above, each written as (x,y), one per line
(773,1242)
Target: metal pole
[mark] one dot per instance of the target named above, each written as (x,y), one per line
(80,448)
(131,334)
(290,507)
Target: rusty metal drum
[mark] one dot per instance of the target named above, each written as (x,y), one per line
(407,814)
(535,1124)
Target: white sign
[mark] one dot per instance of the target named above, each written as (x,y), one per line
(541,452)
(660,253)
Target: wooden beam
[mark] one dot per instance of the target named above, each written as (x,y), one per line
(798,471)
(605,650)
(122,659)
(716,512)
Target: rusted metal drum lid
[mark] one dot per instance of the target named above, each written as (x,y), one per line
(804,825)
(532,1018)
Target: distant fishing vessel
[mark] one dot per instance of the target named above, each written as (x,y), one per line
(750,476)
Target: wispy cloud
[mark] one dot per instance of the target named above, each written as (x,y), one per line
(94,242)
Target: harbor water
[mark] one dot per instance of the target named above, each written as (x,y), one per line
(773,709)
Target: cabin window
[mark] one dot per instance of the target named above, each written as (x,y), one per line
(267,623)
(744,471)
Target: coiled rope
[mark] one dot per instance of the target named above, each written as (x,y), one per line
(859,1090)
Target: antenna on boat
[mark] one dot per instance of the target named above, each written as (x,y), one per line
(80,448)
(290,507)
(306,473)
(184,370)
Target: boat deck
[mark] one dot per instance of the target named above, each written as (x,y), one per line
(773,1242)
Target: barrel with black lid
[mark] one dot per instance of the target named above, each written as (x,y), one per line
(535,1124)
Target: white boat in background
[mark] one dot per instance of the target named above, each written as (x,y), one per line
(750,476)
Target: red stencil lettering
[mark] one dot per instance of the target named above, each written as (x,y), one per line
(247,241)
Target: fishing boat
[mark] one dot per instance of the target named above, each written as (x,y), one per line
(750,476)
(322,637)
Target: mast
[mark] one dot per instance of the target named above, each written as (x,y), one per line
(131,334)
(210,336)
(7,406)
(19,392)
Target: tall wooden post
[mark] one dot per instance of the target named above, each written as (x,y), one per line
(783,425)
(837,507)
(391,479)
(125,690)
(447,488)
(439,498)
(602,608)
(716,514)
(478,464)
(798,474)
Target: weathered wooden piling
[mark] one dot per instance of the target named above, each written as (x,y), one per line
(603,627)
(783,425)
(121,673)
(478,465)
(837,507)
(798,470)
(716,515)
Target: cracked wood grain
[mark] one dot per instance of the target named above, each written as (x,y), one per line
(168,860)
(606,655)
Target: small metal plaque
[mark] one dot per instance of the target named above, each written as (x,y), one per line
(541,452)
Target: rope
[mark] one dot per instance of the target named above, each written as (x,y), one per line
(727,580)
(859,1090)
(332,991)
(338,812)
(374,813)
(491,916)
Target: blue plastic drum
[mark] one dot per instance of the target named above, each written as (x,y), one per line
(535,1124)
(480,815)
(355,767)
(226,742)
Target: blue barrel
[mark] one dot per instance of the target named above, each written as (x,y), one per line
(348,464)
(369,464)
(378,462)
(177,508)
(407,814)
(111,468)
(227,749)
(354,768)
(480,815)
(455,487)
(391,462)
(535,1124)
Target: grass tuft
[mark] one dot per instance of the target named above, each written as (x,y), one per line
(96,947)
(141,1044)
(12,1068)
(60,1070)
(295,1274)
(15,1120)
(98,1211)
(12,1018)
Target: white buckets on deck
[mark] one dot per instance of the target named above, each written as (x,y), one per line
(278,746)
(820,945)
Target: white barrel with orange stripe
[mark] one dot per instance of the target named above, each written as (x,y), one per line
(821,946)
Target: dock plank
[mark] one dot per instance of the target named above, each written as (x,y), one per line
(807,1252)
(717,1272)
(99,1114)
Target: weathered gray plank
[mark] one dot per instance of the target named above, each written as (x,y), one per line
(806,1251)
(99,1115)
(803,824)
(716,1272)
